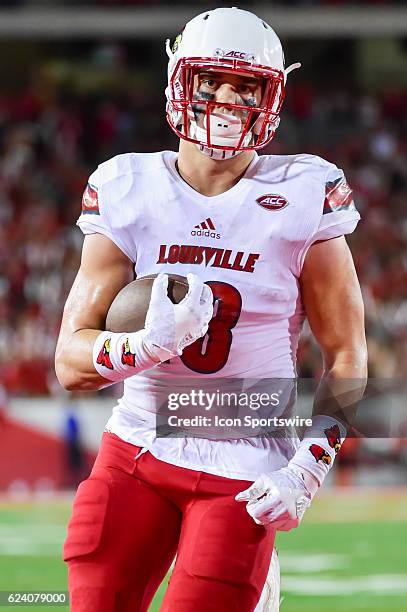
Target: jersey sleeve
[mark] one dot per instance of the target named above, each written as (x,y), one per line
(96,211)
(338,215)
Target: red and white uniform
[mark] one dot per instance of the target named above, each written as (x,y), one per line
(250,244)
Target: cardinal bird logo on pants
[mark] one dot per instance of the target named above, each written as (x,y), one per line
(334,437)
(320,454)
(104,355)
(128,358)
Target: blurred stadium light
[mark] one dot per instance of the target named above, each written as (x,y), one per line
(158,20)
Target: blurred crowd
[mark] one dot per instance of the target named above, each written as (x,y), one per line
(366,135)
(202,3)
(53,135)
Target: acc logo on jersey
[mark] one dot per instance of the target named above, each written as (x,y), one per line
(272,201)
(90,201)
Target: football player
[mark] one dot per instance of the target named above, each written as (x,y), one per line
(260,238)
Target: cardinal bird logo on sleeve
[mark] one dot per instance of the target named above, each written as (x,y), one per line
(320,454)
(90,201)
(104,355)
(338,196)
(333,436)
(128,358)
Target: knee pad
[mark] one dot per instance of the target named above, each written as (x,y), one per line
(88,517)
(231,559)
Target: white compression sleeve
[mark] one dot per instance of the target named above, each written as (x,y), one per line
(117,356)
(319,447)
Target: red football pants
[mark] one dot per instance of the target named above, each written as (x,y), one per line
(133,514)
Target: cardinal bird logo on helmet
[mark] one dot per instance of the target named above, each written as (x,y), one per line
(334,437)
(128,358)
(104,355)
(320,454)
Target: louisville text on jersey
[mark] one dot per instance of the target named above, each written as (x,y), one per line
(209,256)
(90,201)
(338,196)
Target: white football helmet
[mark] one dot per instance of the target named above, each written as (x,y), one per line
(225,40)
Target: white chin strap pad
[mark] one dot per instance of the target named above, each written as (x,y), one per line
(217,139)
(225,126)
(226,130)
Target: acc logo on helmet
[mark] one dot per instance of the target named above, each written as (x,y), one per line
(241,55)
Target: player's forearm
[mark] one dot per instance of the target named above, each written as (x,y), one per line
(93,359)
(74,362)
(87,359)
(347,363)
(342,384)
(281,498)
(335,406)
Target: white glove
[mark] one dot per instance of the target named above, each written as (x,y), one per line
(279,499)
(169,327)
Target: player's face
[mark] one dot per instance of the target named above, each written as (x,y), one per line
(226,88)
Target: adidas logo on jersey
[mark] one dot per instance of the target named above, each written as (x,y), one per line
(206,228)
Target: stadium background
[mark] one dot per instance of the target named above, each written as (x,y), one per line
(83,81)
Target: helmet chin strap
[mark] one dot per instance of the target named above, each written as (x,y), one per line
(218,154)
(226,130)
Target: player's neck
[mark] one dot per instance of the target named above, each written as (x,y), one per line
(208,176)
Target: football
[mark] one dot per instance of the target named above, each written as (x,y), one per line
(128,310)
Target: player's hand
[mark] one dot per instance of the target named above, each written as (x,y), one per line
(279,499)
(169,327)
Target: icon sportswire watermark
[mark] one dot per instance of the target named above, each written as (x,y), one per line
(224,408)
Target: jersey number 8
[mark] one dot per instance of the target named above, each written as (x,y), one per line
(209,354)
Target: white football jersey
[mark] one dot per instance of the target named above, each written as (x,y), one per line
(249,244)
